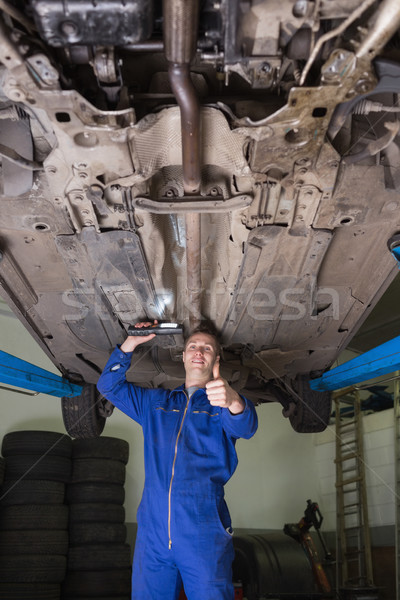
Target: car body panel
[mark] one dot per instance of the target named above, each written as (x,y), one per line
(298,196)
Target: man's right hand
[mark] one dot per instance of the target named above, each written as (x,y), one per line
(132,340)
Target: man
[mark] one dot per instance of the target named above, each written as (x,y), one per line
(184,527)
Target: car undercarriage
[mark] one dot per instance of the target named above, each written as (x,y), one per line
(233,162)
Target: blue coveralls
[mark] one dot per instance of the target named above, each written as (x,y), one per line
(184,527)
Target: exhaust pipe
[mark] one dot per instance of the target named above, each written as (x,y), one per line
(180,37)
(386,24)
(186,97)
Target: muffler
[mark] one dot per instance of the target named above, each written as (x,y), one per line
(180,38)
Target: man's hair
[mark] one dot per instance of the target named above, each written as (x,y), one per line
(209,330)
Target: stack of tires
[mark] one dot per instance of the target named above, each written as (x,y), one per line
(33,515)
(2,470)
(99,559)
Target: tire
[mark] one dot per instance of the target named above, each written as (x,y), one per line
(81,414)
(95,512)
(97,533)
(111,493)
(36,442)
(35,491)
(33,517)
(313,409)
(29,591)
(94,584)
(102,447)
(28,568)
(2,470)
(127,596)
(39,466)
(99,557)
(98,470)
(39,542)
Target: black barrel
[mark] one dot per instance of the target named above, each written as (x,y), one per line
(272,565)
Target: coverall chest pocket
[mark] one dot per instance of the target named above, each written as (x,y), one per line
(166,423)
(203,432)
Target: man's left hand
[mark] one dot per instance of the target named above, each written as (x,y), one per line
(220,393)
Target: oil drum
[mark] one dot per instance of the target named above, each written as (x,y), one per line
(272,565)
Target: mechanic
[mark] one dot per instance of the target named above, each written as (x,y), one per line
(184,527)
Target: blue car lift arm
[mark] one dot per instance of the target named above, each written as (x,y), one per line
(379,361)
(20,373)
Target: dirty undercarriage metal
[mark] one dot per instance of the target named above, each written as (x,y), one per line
(298,192)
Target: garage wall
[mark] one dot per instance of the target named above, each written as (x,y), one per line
(278,468)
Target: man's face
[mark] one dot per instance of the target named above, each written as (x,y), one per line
(200,355)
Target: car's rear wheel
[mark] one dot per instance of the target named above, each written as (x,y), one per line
(312,409)
(307,410)
(82,414)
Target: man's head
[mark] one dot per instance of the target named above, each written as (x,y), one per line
(202,352)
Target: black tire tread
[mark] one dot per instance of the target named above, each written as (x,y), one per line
(34,516)
(38,542)
(36,442)
(125,597)
(101,447)
(32,491)
(92,512)
(81,414)
(97,533)
(112,493)
(313,409)
(97,583)
(38,466)
(98,470)
(93,557)
(2,470)
(27,568)
(29,591)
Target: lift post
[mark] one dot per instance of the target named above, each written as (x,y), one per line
(20,373)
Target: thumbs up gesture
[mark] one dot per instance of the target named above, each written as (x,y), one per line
(220,393)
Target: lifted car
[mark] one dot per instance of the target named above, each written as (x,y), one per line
(231,161)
